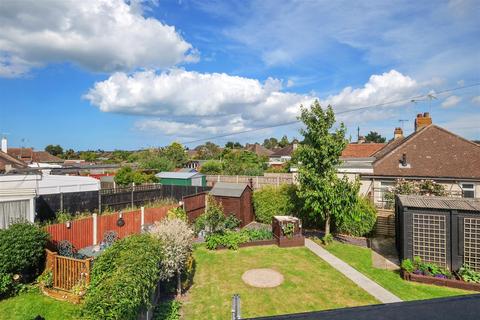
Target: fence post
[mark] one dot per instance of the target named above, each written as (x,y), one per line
(236,313)
(257,183)
(99,201)
(61,201)
(142,218)
(133,188)
(237,178)
(94,217)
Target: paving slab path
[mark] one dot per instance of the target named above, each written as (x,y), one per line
(373,288)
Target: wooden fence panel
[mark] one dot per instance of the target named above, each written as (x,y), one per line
(108,222)
(80,233)
(156,214)
(385,225)
(194,205)
(68,272)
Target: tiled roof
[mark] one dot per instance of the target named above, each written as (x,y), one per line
(28,155)
(45,157)
(361,150)
(430,152)
(258,149)
(8,159)
(283,152)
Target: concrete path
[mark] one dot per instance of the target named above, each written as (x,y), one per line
(380,293)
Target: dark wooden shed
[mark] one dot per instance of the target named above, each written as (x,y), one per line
(444,231)
(236,199)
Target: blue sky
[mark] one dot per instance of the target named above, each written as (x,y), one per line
(116,75)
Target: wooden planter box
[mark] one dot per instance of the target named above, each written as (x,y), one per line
(296,241)
(61,295)
(452,283)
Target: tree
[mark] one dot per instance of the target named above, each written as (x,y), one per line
(126,176)
(69,154)
(233,145)
(208,151)
(270,143)
(176,153)
(211,167)
(88,156)
(374,136)
(283,142)
(55,150)
(155,160)
(323,193)
(242,162)
(177,239)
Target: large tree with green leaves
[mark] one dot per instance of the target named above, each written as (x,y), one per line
(374,136)
(55,150)
(325,195)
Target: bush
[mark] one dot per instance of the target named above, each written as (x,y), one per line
(177,213)
(211,167)
(167,310)
(124,278)
(213,220)
(360,222)
(231,222)
(6,284)
(258,234)
(469,275)
(271,200)
(22,249)
(230,240)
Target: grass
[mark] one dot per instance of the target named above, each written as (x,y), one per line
(310,284)
(32,303)
(361,259)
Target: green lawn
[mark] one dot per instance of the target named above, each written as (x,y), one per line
(310,284)
(361,259)
(28,305)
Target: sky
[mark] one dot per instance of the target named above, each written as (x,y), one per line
(111,74)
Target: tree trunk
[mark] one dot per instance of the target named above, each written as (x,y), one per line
(327,224)
(179,284)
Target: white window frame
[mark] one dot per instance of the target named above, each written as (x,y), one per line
(472,189)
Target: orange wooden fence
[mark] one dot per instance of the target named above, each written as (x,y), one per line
(68,272)
(81,232)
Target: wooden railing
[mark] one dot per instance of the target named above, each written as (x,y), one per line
(68,272)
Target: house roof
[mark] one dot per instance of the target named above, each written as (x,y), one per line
(430,152)
(361,150)
(283,152)
(177,175)
(439,203)
(258,149)
(226,189)
(44,156)
(28,155)
(5,159)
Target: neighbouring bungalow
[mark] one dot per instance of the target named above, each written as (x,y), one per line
(236,199)
(182,178)
(31,157)
(430,152)
(258,149)
(9,163)
(280,157)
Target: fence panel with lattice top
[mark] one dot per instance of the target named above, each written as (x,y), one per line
(471,240)
(430,238)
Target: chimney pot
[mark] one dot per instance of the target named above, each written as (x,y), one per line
(398,133)
(422,121)
(4,145)
(419,115)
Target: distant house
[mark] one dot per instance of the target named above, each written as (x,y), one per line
(8,163)
(357,158)
(29,156)
(430,152)
(280,156)
(258,149)
(236,199)
(182,178)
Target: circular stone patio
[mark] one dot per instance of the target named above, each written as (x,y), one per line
(262,278)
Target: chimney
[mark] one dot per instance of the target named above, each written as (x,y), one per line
(361,139)
(422,121)
(4,145)
(398,133)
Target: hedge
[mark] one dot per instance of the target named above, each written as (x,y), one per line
(124,278)
(360,222)
(270,201)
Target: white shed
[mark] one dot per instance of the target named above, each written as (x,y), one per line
(16,205)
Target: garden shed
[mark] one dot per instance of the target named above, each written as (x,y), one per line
(440,230)
(182,178)
(236,199)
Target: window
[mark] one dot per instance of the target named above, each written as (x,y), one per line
(468,189)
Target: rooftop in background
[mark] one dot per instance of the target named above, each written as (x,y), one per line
(28,155)
(361,150)
(258,149)
(430,202)
(225,189)
(284,152)
(177,175)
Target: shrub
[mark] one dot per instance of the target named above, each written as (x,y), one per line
(469,275)
(230,240)
(46,278)
(213,220)
(407,265)
(360,222)
(177,213)
(231,222)
(124,278)
(425,268)
(167,310)
(271,200)
(258,234)
(177,239)
(22,249)
(211,167)
(6,284)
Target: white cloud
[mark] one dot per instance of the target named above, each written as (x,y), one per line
(104,36)
(187,103)
(451,101)
(476,100)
